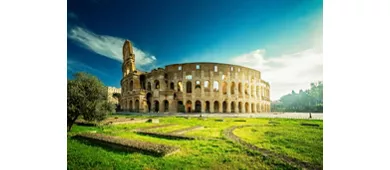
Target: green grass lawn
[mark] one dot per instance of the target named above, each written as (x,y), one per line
(288,137)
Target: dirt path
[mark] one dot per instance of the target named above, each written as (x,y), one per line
(228,133)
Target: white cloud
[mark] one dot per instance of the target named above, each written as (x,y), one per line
(76,66)
(108,46)
(287,72)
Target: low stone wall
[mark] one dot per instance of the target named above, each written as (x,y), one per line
(181,131)
(166,135)
(128,145)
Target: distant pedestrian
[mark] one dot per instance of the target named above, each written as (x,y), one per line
(310,115)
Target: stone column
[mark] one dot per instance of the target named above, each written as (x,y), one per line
(236,107)
(228,109)
(161,105)
(211,106)
(220,109)
(203,106)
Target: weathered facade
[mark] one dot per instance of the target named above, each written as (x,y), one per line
(110,92)
(192,87)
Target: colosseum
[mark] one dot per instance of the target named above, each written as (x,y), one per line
(192,88)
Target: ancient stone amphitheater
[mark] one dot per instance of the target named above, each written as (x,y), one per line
(192,88)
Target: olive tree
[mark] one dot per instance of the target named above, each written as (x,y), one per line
(87,98)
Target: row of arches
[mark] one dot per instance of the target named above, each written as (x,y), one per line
(198,106)
(242,88)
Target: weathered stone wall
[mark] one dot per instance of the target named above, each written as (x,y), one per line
(200,87)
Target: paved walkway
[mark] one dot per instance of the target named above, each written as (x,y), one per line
(317,116)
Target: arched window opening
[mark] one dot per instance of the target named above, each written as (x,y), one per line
(240,88)
(189,106)
(197,84)
(156,84)
(198,106)
(216,86)
(232,88)
(247,107)
(232,107)
(142,80)
(156,106)
(172,86)
(149,86)
(180,107)
(224,88)
(189,87)
(206,86)
(207,110)
(179,86)
(166,106)
(224,107)
(216,107)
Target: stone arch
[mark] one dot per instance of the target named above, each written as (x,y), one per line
(253,108)
(224,87)
(156,84)
(197,84)
(258,108)
(198,106)
(189,106)
(149,101)
(137,105)
(179,86)
(216,107)
(233,107)
(131,85)
(207,109)
(180,106)
(206,86)
(224,107)
(247,107)
(232,86)
(172,86)
(166,106)
(189,87)
(258,91)
(142,80)
(246,89)
(216,86)
(149,86)
(156,106)
(240,107)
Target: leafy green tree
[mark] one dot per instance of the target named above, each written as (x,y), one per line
(87,98)
(310,100)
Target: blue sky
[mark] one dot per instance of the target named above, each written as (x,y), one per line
(280,38)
